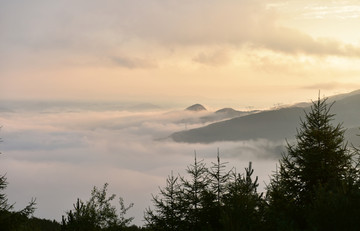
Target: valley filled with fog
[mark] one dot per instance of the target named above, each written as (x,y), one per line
(56,152)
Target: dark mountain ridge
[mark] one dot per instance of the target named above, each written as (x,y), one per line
(273,125)
(196,107)
(252,126)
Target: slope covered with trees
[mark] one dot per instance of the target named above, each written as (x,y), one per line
(316,187)
(317,184)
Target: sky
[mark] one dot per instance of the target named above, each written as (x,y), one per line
(91,54)
(249,52)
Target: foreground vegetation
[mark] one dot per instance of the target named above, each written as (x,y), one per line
(316,187)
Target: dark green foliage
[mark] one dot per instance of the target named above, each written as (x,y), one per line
(316,176)
(19,222)
(209,199)
(335,210)
(168,214)
(193,194)
(36,224)
(10,219)
(243,205)
(4,204)
(97,214)
(219,178)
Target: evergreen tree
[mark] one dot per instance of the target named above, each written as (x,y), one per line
(168,213)
(4,204)
(37,224)
(243,205)
(193,191)
(207,199)
(219,178)
(10,219)
(320,161)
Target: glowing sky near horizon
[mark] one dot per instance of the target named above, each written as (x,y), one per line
(229,53)
(254,51)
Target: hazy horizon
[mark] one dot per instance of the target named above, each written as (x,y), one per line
(51,152)
(86,86)
(139,104)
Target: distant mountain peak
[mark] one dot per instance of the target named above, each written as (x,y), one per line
(196,107)
(226,110)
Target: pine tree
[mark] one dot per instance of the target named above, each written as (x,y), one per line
(4,204)
(10,219)
(320,160)
(219,178)
(167,214)
(243,205)
(193,190)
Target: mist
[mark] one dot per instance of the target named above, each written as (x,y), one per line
(57,152)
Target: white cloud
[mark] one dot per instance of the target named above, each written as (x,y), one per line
(93,147)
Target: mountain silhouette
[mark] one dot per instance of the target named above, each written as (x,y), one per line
(196,107)
(274,125)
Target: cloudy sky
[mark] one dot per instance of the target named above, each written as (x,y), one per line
(237,53)
(252,52)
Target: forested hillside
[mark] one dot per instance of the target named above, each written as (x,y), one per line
(274,124)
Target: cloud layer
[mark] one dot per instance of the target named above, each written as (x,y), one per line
(118,28)
(63,155)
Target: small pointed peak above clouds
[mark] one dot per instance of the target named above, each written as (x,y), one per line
(226,110)
(196,107)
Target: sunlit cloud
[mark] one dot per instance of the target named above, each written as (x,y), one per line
(92,48)
(246,54)
(336,9)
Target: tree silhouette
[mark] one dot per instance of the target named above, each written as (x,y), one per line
(97,213)
(207,199)
(10,219)
(319,162)
(243,205)
(169,212)
(191,193)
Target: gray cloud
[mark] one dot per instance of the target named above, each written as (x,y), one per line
(216,58)
(34,140)
(133,63)
(92,28)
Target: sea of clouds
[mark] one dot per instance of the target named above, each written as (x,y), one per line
(57,152)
